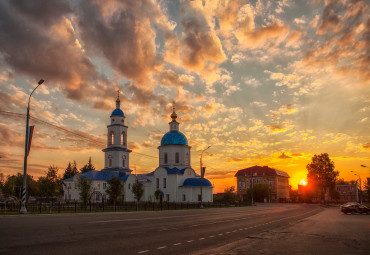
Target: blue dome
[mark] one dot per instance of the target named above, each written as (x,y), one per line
(195,182)
(174,138)
(117,112)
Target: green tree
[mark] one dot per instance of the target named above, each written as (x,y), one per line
(114,189)
(321,173)
(229,194)
(138,190)
(88,167)
(260,192)
(50,185)
(157,194)
(85,188)
(70,171)
(13,185)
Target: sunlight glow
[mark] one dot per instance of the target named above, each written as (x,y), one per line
(303,182)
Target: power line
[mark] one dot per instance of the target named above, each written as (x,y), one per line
(75,133)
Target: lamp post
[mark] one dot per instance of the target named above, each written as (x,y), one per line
(356,173)
(202,176)
(23,209)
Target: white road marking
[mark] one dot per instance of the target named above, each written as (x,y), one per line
(190,241)
(227,232)
(202,238)
(221,234)
(211,236)
(162,247)
(143,251)
(177,244)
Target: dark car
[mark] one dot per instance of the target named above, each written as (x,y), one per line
(353,208)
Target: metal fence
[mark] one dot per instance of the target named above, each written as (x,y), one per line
(78,207)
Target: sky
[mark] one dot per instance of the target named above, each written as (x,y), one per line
(267,83)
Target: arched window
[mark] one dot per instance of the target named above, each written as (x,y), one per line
(177,157)
(165,158)
(123,163)
(123,137)
(111,135)
(187,159)
(110,162)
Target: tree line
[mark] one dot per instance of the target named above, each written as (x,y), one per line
(51,185)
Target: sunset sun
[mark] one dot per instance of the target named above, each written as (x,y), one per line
(303,182)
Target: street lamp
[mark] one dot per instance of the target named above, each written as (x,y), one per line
(23,209)
(201,177)
(356,173)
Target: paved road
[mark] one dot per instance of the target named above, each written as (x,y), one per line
(167,232)
(329,232)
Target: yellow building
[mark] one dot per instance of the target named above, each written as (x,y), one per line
(278,182)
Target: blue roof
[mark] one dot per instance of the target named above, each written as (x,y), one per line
(117,112)
(101,176)
(195,182)
(174,170)
(174,138)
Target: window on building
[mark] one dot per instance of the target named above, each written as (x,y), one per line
(110,162)
(129,186)
(187,158)
(123,163)
(157,182)
(199,197)
(164,182)
(168,197)
(123,137)
(104,185)
(165,158)
(177,157)
(111,138)
(98,185)
(183,197)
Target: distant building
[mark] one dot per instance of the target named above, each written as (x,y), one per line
(278,182)
(347,192)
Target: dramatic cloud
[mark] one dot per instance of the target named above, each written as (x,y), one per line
(343,39)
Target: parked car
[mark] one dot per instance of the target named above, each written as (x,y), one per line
(355,208)
(349,203)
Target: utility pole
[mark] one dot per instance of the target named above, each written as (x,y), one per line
(23,209)
(202,172)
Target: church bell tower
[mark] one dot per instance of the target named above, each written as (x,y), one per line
(116,153)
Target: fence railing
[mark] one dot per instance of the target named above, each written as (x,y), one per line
(78,207)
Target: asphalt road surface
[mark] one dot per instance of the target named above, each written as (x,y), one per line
(206,231)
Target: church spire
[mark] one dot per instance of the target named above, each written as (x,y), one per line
(174,125)
(118,102)
(173,115)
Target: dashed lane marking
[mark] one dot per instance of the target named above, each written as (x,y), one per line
(162,247)
(145,251)
(202,238)
(190,241)
(177,244)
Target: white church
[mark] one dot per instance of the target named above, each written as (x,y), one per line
(174,177)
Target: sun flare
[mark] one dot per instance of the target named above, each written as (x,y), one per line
(303,182)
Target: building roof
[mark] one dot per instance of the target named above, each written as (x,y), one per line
(174,138)
(195,182)
(117,112)
(101,175)
(260,171)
